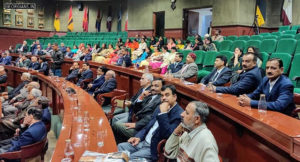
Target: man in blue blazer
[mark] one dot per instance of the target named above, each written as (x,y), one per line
(220,75)
(85,73)
(109,85)
(34,65)
(35,132)
(73,72)
(44,67)
(178,64)
(278,90)
(101,71)
(6,59)
(165,119)
(124,58)
(248,80)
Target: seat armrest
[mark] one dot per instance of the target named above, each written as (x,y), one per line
(11,155)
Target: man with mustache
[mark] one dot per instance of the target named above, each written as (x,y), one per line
(248,79)
(277,88)
(192,140)
(165,119)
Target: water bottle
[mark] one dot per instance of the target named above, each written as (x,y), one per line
(123,64)
(69,151)
(146,69)
(262,104)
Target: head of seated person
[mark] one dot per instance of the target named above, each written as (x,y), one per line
(101,71)
(191,57)
(249,61)
(34,95)
(110,75)
(156,86)
(220,62)
(26,76)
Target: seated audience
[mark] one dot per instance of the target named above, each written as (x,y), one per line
(109,85)
(198,44)
(177,65)
(152,42)
(124,58)
(3,75)
(155,57)
(75,49)
(85,73)
(136,53)
(73,72)
(113,57)
(49,48)
(277,88)
(77,56)
(120,42)
(188,45)
(248,80)
(44,67)
(189,69)
(69,53)
(143,57)
(35,132)
(160,43)
(209,45)
(168,59)
(180,44)
(171,43)
(87,55)
(192,139)
(34,65)
(96,48)
(134,45)
(255,50)
(23,48)
(23,61)
(157,61)
(220,75)
(141,109)
(101,71)
(25,78)
(128,43)
(43,104)
(165,119)
(99,57)
(235,63)
(217,37)
(63,48)
(5,59)
(38,51)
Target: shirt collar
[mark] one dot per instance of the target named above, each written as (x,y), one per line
(219,71)
(272,83)
(197,130)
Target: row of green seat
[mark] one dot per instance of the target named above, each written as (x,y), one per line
(289,46)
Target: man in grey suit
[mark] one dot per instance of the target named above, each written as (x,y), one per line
(73,72)
(188,70)
(220,75)
(143,110)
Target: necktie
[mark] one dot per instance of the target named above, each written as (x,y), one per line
(215,77)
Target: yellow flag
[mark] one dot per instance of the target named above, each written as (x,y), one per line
(260,18)
(56,21)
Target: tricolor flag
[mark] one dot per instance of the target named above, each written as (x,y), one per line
(286,12)
(56,23)
(85,21)
(260,12)
(126,22)
(98,21)
(70,21)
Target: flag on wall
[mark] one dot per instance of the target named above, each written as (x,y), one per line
(286,12)
(120,20)
(85,21)
(70,21)
(260,12)
(126,22)
(109,19)
(98,21)
(56,23)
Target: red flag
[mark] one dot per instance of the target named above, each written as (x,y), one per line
(85,21)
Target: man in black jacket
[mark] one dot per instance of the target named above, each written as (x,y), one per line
(57,59)
(143,110)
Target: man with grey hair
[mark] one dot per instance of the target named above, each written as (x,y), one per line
(11,121)
(192,139)
(109,85)
(145,83)
(25,78)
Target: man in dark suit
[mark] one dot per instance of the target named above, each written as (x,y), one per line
(34,65)
(248,79)
(277,88)
(101,71)
(85,73)
(142,107)
(35,132)
(38,51)
(124,58)
(109,85)
(23,48)
(178,64)
(73,72)
(6,59)
(25,78)
(164,120)
(44,67)
(220,75)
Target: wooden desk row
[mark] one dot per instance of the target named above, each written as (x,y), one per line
(242,133)
(71,128)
